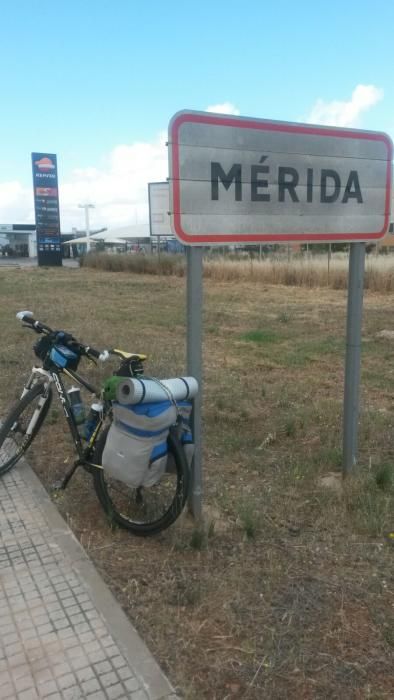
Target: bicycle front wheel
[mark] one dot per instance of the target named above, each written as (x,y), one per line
(145,510)
(22,424)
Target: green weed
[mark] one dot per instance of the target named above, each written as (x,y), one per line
(198,539)
(249,519)
(260,337)
(370,507)
(385,477)
(53,416)
(290,427)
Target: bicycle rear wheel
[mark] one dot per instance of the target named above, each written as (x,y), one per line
(145,511)
(22,424)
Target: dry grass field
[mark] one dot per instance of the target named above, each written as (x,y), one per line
(310,272)
(287,591)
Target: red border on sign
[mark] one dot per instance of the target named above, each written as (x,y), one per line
(184,117)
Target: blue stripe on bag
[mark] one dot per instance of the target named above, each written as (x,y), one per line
(152,410)
(158,451)
(139,433)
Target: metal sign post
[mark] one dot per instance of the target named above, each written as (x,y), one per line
(194,367)
(353,355)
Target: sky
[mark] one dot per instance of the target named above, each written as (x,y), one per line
(97,81)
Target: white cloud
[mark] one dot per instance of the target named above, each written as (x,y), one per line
(223,108)
(119,191)
(16,203)
(346,113)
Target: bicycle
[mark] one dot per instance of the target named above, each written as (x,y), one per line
(143,510)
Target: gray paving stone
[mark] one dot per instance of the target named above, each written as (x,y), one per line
(115,692)
(30,694)
(125,673)
(97,656)
(7,692)
(91,686)
(66,681)
(138,695)
(102,667)
(47,688)
(85,674)
(131,684)
(54,642)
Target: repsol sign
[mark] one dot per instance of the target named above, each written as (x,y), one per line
(324,185)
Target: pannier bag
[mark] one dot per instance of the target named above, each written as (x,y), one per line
(136,450)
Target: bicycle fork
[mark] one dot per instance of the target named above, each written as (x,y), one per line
(41,402)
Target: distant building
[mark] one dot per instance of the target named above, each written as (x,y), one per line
(18,240)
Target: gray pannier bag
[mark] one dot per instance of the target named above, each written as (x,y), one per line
(136,450)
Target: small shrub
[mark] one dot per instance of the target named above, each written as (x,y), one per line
(137,264)
(198,539)
(249,519)
(385,477)
(371,508)
(290,427)
(211,529)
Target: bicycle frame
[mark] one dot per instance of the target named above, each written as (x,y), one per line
(53,377)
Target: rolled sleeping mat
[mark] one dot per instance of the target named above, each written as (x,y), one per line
(134,391)
(109,387)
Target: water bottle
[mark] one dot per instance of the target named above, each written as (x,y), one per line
(92,420)
(77,407)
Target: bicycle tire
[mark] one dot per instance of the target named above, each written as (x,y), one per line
(8,433)
(105,487)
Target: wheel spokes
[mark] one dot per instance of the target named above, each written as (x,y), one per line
(142,504)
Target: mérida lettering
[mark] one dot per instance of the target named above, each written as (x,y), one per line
(322,185)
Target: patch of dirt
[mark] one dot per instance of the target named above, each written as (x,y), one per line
(387,335)
(332,481)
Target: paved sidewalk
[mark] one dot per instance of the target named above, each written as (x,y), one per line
(62,634)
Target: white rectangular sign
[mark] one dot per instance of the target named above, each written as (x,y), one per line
(159,207)
(239,180)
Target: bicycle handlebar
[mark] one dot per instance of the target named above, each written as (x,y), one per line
(26,317)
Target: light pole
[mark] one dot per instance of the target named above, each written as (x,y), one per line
(87,225)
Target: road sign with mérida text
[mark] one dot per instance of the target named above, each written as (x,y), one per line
(242,180)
